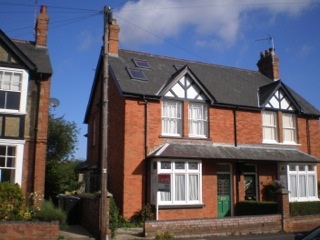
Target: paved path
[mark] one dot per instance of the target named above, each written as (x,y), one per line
(76,232)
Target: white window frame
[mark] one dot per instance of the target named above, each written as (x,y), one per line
(273,127)
(296,172)
(171,120)
(291,127)
(19,144)
(198,125)
(173,172)
(23,90)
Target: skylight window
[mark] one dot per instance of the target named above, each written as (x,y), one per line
(141,63)
(136,74)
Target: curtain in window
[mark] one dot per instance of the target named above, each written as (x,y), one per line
(302,186)
(293,186)
(311,185)
(193,187)
(171,118)
(289,133)
(269,126)
(180,188)
(198,119)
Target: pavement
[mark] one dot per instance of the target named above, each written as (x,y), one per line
(77,232)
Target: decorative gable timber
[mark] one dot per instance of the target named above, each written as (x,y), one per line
(12,56)
(277,96)
(185,85)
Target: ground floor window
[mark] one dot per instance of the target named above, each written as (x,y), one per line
(250,181)
(11,158)
(302,182)
(176,182)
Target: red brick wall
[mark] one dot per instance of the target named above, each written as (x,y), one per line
(302,223)
(127,134)
(29,230)
(33,176)
(201,228)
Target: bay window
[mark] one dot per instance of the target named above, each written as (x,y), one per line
(13,90)
(11,163)
(302,182)
(176,182)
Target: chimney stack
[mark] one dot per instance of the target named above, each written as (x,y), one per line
(269,64)
(114,30)
(42,27)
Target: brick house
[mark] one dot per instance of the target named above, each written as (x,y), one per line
(25,72)
(193,138)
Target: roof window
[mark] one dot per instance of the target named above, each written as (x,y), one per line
(141,63)
(136,74)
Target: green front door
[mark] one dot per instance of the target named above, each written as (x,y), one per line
(224,200)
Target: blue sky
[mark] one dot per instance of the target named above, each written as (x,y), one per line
(223,32)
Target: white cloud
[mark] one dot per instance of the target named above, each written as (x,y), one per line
(150,21)
(86,40)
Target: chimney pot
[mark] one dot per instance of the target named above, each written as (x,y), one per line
(43,9)
(269,64)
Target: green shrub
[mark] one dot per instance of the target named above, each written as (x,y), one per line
(146,213)
(304,208)
(48,212)
(164,236)
(11,201)
(256,208)
(271,188)
(114,217)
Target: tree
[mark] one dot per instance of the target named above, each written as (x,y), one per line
(62,138)
(61,175)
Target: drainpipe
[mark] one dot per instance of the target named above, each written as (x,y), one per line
(146,165)
(308,137)
(235,127)
(38,83)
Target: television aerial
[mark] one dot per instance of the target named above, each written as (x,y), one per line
(54,102)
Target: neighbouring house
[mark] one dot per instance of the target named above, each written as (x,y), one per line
(25,72)
(193,139)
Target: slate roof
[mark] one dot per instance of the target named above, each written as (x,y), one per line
(38,55)
(248,153)
(36,59)
(227,85)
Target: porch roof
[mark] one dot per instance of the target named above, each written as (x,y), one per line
(230,152)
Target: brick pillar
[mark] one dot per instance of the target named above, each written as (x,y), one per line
(283,207)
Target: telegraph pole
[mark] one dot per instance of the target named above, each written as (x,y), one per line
(104,214)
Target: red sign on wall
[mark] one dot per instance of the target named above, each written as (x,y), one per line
(164,182)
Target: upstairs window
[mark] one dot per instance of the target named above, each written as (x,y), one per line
(198,120)
(171,118)
(13,90)
(269,125)
(289,128)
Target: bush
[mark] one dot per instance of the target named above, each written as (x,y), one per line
(256,208)
(270,189)
(48,212)
(146,213)
(304,208)
(11,201)
(164,236)
(113,217)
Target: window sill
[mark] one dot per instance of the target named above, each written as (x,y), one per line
(182,206)
(282,144)
(179,137)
